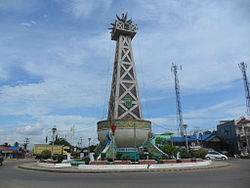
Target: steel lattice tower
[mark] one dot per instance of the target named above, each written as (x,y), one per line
(180,127)
(243,68)
(124,100)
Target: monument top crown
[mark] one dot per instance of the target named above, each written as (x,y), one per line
(123,26)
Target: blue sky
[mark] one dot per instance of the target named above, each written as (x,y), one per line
(56,61)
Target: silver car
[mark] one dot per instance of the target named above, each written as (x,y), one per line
(213,155)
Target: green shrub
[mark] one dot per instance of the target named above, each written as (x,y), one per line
(125,157)
(96,156)
(171,151)
(118,156)
(103,156)
(46,154)
(54,157)
(163,156)
(75,155)
(60,158)
(143,156)
(201,153)
(184,154)
(86,160)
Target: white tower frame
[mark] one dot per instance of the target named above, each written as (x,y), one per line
(124,99)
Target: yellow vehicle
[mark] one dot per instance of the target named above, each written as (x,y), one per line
(57,149)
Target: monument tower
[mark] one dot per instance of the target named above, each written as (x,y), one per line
(124,100)
(124,113)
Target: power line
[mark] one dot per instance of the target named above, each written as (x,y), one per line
(163,127)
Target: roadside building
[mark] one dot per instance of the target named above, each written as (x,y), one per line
(18,152)
(235,135)
(162,139)
(227,131)
(210,141)
(12,152)
(243,134)
(6,152)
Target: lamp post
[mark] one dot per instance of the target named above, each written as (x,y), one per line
(135,144)
(113,128)
(185,127)
(89,143)
(53,140)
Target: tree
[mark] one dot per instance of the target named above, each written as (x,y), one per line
(92,148)
(171,151)
(210,132)
(6,144)
(16,144)
(46,154)
(61,141)
(214,132)
(160,141)
(207,132)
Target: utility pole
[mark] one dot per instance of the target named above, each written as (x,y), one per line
(26,142)
(243,68)
(185,127)
(53,140)
(72,135)
(81,141)
(180,128)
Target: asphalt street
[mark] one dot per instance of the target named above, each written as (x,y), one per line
(235,176)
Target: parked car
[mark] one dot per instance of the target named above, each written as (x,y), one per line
(213,155)
(244,154)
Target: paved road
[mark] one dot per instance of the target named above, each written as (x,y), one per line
(235,176)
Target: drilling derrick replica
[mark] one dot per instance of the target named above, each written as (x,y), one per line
(124,132)
(124,100)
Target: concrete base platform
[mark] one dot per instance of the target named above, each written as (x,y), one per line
(155,168)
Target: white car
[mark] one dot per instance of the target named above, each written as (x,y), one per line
(215,156)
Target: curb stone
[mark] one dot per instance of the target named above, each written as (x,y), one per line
(212,166)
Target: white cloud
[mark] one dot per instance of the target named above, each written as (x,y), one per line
(30,130)
(205,118)
(206,38)
(17,5)
(67,120)
(28,24)
(227,109)
(25,24)
(2,132)
(87,8)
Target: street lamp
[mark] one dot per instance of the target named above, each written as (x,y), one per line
(113,128)
(53,140)
(185,127)
(89,143)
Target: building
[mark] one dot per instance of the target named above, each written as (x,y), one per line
(162,139)
(235,135)
(12,152)
(210,141)
(243,135)
(227,131)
